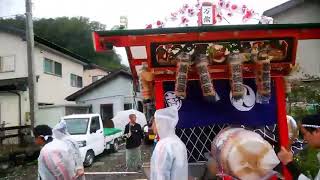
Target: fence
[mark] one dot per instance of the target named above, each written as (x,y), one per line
(14,134)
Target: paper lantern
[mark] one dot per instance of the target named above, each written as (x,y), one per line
(183,65)
(263,77)
(207,87)
(236,78)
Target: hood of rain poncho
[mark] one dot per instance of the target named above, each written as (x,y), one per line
(166,120)
(60,130)
(169,158)
(55,162)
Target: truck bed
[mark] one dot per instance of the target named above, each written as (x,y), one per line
(110,131)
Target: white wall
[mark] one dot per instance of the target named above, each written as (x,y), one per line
(117,92)
(308,59)
(14,45)
(307,12)
(54,89)
(89,73)
(118,86)
(308,50)
(116,101)
(9,110)
(50,88)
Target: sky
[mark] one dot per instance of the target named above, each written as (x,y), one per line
(108,12)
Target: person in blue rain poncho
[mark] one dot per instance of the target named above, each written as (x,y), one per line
(169,158)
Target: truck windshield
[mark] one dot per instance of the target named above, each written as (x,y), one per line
(77,125)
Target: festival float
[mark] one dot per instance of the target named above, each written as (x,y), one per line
(227,82)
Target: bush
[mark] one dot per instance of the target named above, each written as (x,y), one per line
(308,162)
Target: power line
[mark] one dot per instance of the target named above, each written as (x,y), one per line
(226,20)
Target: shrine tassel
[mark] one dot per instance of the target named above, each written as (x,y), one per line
(183,65)
(207,87)
(263,78)
(236,81)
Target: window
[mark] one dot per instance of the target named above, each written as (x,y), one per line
(76,81)
(7,63)
(52,67)
(77,125)
(127,106)
(95,124)
(140,106)
(96,78)
(45,104)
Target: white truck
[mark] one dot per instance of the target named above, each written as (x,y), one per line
(92,137)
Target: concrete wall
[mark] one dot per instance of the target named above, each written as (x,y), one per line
(88,74)
(50,116)
(308,50)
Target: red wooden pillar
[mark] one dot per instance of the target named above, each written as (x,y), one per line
(159,94)
(282,118)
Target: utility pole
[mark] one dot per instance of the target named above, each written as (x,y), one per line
(30,54)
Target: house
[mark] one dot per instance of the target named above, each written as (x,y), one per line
(93,73)
(301,11)
(109,95)
(59,73)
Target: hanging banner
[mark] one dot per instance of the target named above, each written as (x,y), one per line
(207,14)
(194,111)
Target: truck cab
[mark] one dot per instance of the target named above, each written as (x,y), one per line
(88,131)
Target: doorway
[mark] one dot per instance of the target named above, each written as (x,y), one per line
(106,111)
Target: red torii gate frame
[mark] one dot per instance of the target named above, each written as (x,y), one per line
(103,40)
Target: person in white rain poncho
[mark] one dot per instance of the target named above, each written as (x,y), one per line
(60,132)
(54,162)
(169,158)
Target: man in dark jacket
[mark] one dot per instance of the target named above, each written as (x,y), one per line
(134,136)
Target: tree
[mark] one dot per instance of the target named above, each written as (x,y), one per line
(73,33)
